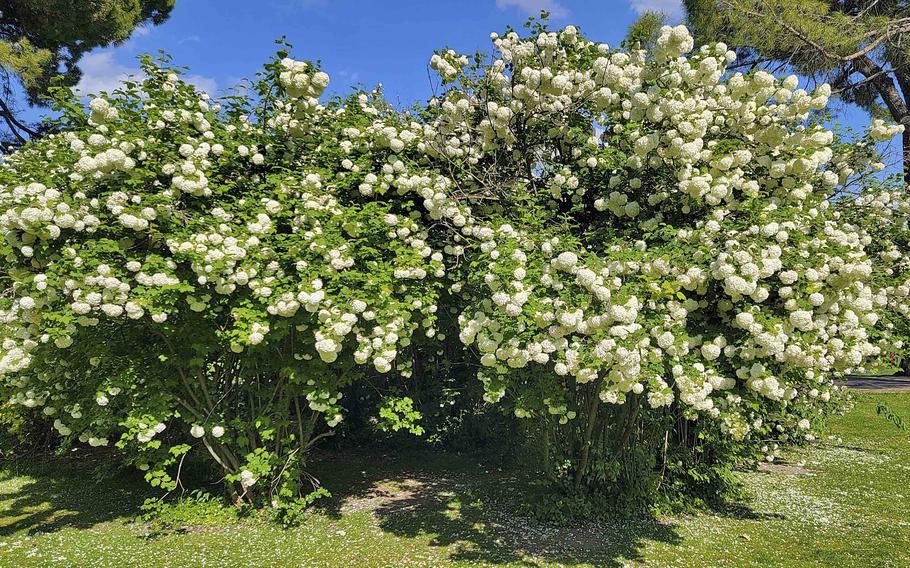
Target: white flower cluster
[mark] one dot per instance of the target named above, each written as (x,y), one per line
(880,131)
(303,85)
(448,63)
(39,213)
(102,111)
(299,81)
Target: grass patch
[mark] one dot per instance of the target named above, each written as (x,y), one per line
(843,502)
(880,371)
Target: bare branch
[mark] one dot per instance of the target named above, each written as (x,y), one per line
(14,125)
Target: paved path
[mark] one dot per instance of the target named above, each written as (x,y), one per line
(879,384)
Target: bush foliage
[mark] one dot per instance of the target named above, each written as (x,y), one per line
(635,252)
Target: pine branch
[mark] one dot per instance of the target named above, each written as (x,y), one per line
(897,27)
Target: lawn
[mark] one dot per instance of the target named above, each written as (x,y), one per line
(843,502)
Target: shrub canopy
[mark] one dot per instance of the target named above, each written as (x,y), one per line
(630,242)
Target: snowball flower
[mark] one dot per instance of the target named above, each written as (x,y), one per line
(247,479)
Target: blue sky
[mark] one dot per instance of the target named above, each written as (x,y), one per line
(358,41)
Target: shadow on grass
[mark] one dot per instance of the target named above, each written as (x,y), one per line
(742,512)
(55,493)
(474,512)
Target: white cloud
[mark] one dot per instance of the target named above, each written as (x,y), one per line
(349,76)
(533,7)
(100,72)
(207,84)
(672,8)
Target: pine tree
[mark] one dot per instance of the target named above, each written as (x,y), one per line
(860,47)
(41,40)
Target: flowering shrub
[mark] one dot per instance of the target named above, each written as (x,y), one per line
(220,269)
(632,243)
(882,213)
(680,263)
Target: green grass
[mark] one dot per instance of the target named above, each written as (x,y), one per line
(880,371)
(843,502)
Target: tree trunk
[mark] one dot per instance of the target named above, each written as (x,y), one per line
(589,431)
(893,98)
(548,470)
(899,65)
(630,425)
